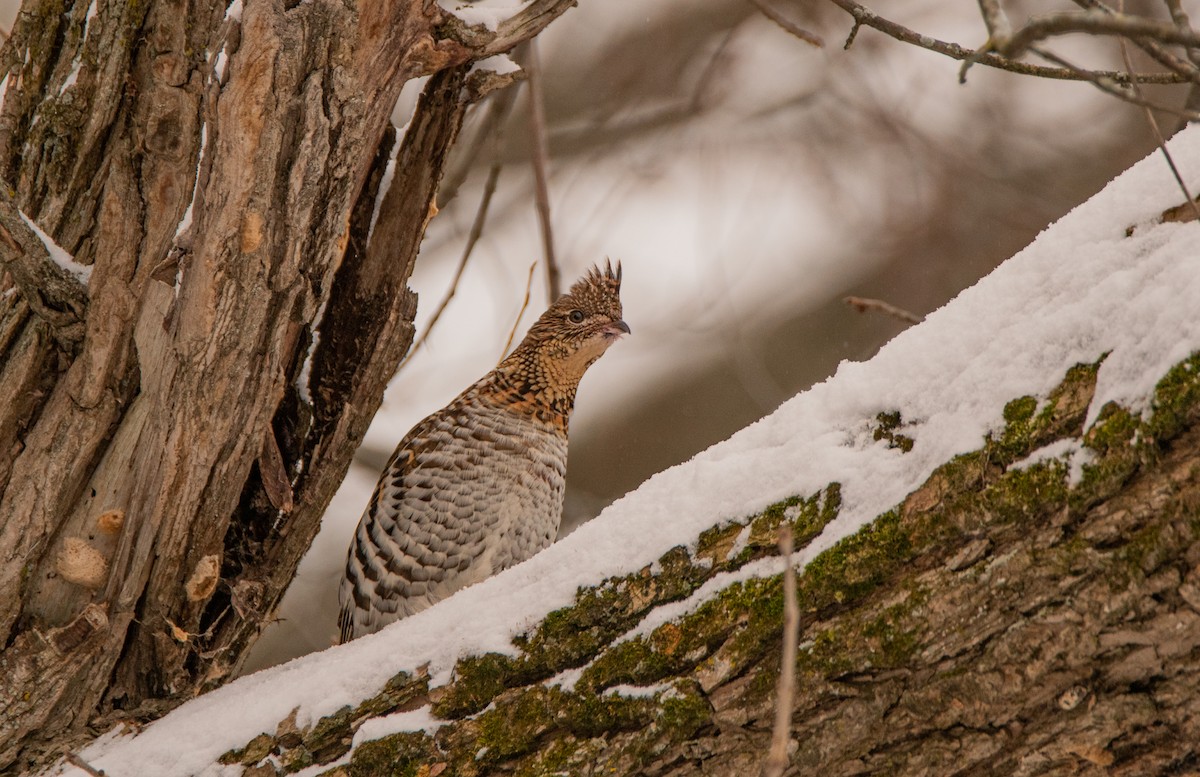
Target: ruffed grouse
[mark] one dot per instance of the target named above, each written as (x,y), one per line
(478,486)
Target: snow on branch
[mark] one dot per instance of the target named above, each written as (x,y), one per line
(50,280)
(493,27)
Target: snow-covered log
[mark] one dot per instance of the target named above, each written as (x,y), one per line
(998,519)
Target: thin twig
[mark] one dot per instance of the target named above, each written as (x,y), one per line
(708,72)
(499,105)
(785,689)
(998,27)
(1108,87)
(75,760)
(489,188)
(1153,49)
(1158,136)
(864,17)
(1096,23)
(788,25)
(1180,17)
(863,304)
(512,333)
(541,163)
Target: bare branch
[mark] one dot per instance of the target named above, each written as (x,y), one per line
(498,108)
(489,188)
(1153,49)
(516,29)
(998,27)
(78,762)
(863,304)
(541,163)
(863,17)
(788,25)
(1121,91)
(785,689)
(1154,128)
(512,333)
(1096,23)
(1180,17)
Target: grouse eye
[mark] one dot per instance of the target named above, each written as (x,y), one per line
(576,316)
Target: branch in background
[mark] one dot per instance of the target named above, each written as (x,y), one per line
(1180,17)
(512,333)
(541,164)
(863,304)
(52,292)
(709,71)
(998,27)
(787,25)
(1096,23)
(489,188)
(499,107)
(1158,136)
(864,17)
(1152,48)
(785,689)
(1106,85)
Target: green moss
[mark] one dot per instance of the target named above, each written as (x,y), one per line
(254,751)
(1028,493)
(477,680)
(683,711)
(395,755)
(400,690)
(1112,439)
(1016,439)
(854,567)
(1140,555)
(1176,399)
(892,636)
(886,430)
(513,726)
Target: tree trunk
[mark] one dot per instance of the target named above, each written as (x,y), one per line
(1002,620)
(178,407)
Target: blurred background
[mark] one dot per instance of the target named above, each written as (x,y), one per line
(748,182)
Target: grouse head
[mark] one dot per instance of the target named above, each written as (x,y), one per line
(579,327)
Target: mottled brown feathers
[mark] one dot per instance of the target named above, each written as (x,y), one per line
(478,486)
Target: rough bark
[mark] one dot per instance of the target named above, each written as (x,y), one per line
(1003,619)
(164,456)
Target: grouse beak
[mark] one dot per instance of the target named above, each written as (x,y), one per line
(617,328)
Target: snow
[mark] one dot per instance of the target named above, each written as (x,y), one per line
(1080,290)
(302,380)
(488,13)
(87,19)
(500,64)
(234,11)
(420,719)
(185,221)
(58,254)
(69,81)
(401,118)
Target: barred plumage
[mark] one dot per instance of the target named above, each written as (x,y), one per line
(478,486)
